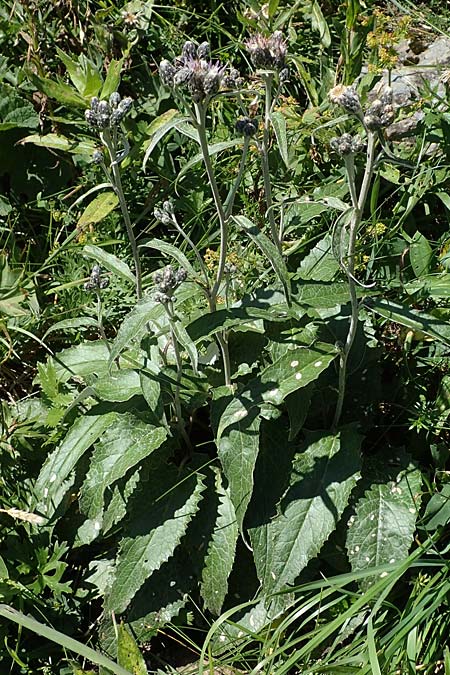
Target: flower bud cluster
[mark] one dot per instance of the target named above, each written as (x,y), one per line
(347,97)
(107,114)
(347,144)
(165,214)
(96,281)
(381,112)
(267,53)
(167,281)
(194,72)
(247,126)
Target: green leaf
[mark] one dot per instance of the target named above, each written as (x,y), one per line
(238,447)
(126,442)
(320,264)
(158,128)
(58,142)
(437,513)
(120,495)
(213,149)
(319,24)
(59,91)
(16,112)
(107,260)
(164,519)
(121,386)
(67,324)
(322,479)
(270,251)
(185,341)
(291,371)
(134,326)
(83,73)
(382,528)
(420,254)
(98,209)
(221,551)
(433,286)
(51,485)
(85,360)
(417,320)
(173,252)
(112,79)
(128,653)
(279,126)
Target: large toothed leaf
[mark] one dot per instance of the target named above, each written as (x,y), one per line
(290,372)
(272,474)
(221,551)
(382,528)
(161,520)
(50,486)
(124,444)
(238,449)
(322,479)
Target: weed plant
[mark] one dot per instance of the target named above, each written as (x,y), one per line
(228,292)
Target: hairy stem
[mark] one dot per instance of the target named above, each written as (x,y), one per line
(358,204)
(268,82)
(179,363)
(111,145)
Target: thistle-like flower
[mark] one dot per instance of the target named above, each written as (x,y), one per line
(381,112)
(267,53)
(165,214)
(347,144)
(247,126)
(347,97)
(193,71)
(167,281)
(107,114)
(96,281)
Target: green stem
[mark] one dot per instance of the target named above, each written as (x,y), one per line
(178,360)
(358,209)
(268,82)
(111,145)
(229,202)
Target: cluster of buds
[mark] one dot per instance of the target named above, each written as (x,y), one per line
(267,53)
(194,72)
(96,281)
(165,214)
(247,126)
(167,281)
(347,97)
(347,144)
(381,112)
(107,114)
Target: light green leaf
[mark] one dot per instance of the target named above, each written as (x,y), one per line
(185,341)
(107,260)
(172,251)
(98,209)
(164,520)
(322,480)
(437,513)
(83,73)
(158,128)
(320,264)
(238,447)
(86,360)
(50,486)
(213,149)
(118,387)
(420,254)
(270,251)
(279,126)
(382,528)
(221,550)
(319,24)
(59,91)
(134,326)
(128,653)
(432,285)
(58,142)
(117,506)
(112,79)
(67,324)
(126,442)
(418,321)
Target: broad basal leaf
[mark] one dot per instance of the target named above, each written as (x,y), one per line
(382,528)
(155,533)
(119,386)
(221,550)
(86,360)
(322,479)
(126,442)
(50,486)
